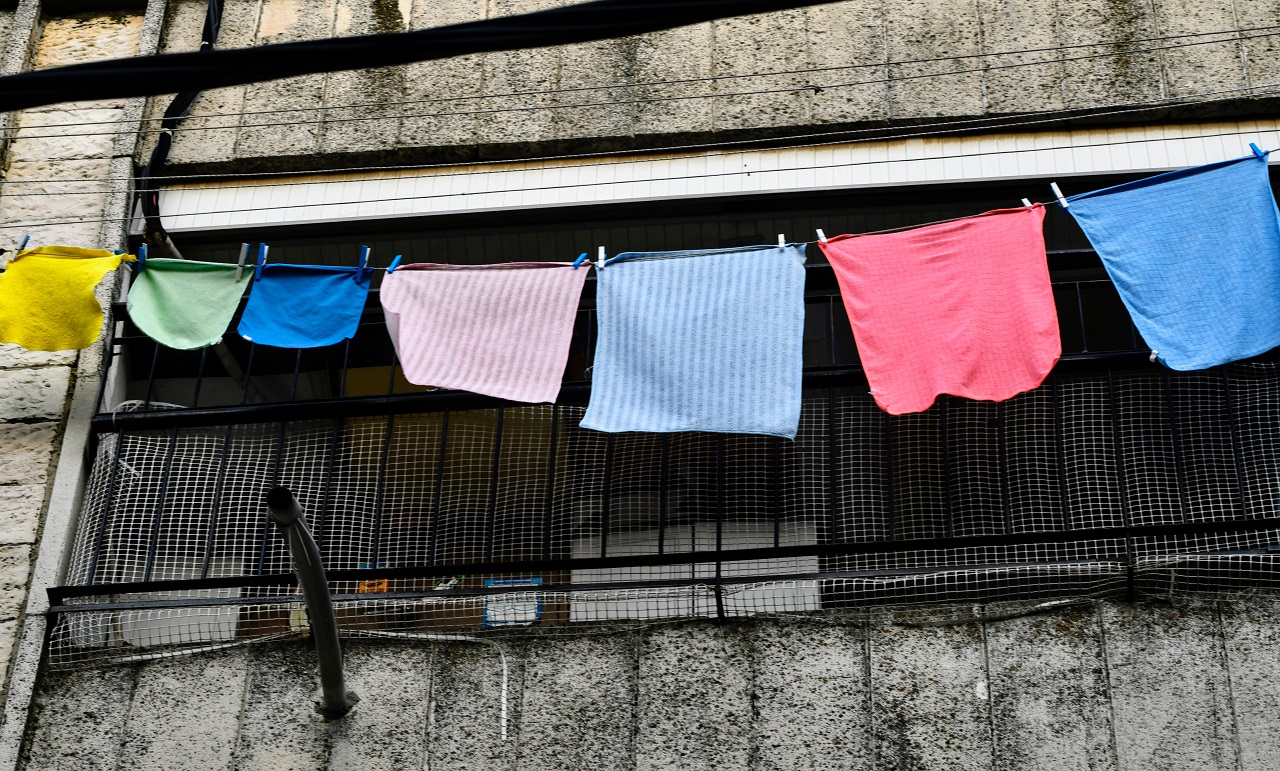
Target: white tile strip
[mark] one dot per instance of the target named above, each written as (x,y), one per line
(522,185)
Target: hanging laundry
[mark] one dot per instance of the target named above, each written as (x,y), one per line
(186,304)
(700,341)
(962,308)
(1195,255)
(499,330)
(304,306)
(46,297)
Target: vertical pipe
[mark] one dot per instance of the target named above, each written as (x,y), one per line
(99,538)
(491,529)
(158,514)
(719,589)
(195,396)
(1002,443)
(380,491)
(216,508)
(663,486)
(287,514)
(248,374)
(1060,441)
(775,492)
(605,494)
(1084,335)
(432,550)
(833,470)
(151,375)
(1176,441)
(946,467)
(1237,446)
(1126,516)
(275,482)
(551,484)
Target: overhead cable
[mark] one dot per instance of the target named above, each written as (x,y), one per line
(702,150)
(812,87)
(1128,50)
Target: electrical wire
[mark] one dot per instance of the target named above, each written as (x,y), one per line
(815,87)
(739,172)
(934,128)
(713,78)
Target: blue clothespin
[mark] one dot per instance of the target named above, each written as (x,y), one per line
(364,258)
(25,239)
(1256,150)
(142,258)
(581,259)
(394,264)
(262,260)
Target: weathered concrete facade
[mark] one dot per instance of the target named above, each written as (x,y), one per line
(876,63)
(1103,686)
(1100,685)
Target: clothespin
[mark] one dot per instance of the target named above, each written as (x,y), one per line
(1152,357)
(1256,150)
(1057,192)
(822,237)
(142,258)
(394,264)
(25,239)
(1026,202)
(782,240)
(364,257)
(244,254)
(581,259)
(600,261)
(262,260)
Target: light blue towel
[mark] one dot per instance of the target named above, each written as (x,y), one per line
(304,306)
(1195,255)
(700,341)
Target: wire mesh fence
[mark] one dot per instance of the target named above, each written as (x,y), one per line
(513,520)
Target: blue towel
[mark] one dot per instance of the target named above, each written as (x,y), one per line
(1195,255)
(304,306)
(700,341)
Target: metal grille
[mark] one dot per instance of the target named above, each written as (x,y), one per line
(512,520)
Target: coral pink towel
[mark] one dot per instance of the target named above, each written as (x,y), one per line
(962,308)
(499,330)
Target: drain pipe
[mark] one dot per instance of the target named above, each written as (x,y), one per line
(287,514)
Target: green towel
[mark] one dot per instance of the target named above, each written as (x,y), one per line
(186,304)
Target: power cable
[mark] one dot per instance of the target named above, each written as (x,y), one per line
(713,78)
(816,87)
(925,129)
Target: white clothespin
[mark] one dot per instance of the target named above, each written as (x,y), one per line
(600,261)
(1152,357)
(244,255)
(822,237)
(1057,192)
(1026,202)
(782,240)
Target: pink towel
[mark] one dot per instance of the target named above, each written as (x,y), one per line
(962,308)
(499,330)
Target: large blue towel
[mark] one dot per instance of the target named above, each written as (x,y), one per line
(1195,255)
(304,306)
(700,341)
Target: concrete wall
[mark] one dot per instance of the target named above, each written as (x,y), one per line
(876,35)
(1099,686)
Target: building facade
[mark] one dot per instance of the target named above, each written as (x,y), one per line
(1076,578)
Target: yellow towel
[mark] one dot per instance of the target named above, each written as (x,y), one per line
(46,297)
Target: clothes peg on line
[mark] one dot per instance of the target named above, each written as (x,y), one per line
(1026,202)
(142,258)
(822,237)
(1057,192)
(244,255)
(395,263)
(782,240)
(262,260)
(600,260)
(581,259)
(25,240)
(1257,150)
(364,257)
